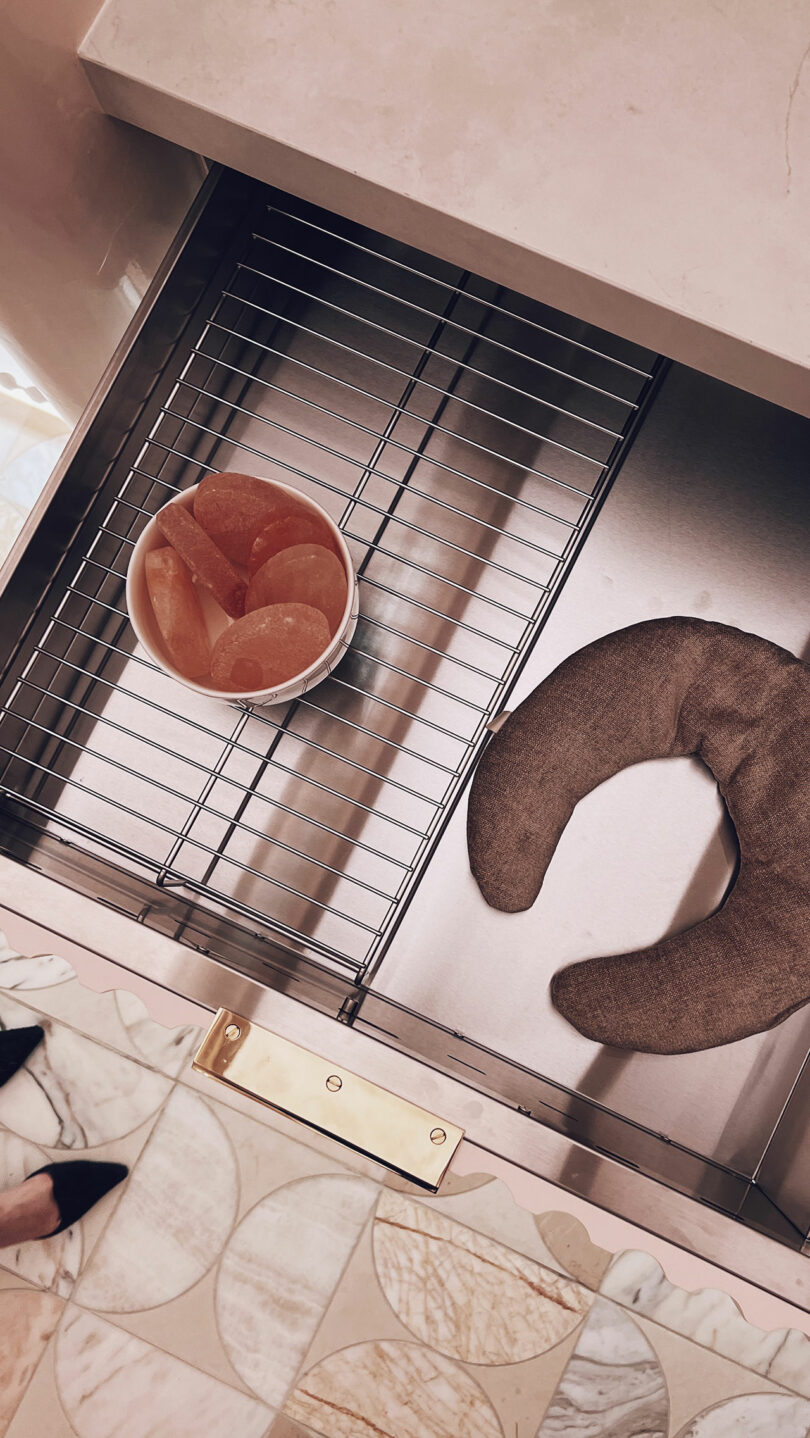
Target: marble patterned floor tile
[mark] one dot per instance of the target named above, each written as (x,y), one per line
(697,1379)
(279,1271)
(358,1311)
(490,1209)
(709,1317)
(113,1385)
(170,1050)
(463,1293)
(40,1413)
(74,1093)
(27,1320)
(336,1154)
(754,1415)
(268,1159)
(572,1249)
(175,1216)
(22,974)
(185,1328)
(612,1386)
(521,1392)
(126,1150)
(284,1427)
(13,1280)
(80,1008)
(248,1257)
(51,1263)
(47,983)
(115,1017)
(397,1390)
(359,1314)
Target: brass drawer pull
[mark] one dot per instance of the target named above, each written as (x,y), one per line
(414,1143)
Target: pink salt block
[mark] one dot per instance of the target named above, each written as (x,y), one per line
(304,574)
(207,563)
(177,612)
(268,647)
(232,508)
(304,527)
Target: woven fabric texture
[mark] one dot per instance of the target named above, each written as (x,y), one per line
(666,687)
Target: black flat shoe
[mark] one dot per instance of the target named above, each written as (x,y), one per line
(78,1184)
(15,1046)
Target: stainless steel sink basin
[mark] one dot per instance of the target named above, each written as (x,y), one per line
(513,483)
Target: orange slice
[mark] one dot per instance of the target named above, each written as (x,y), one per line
(233,508)
(177,611)
(304,574)
(304,527)
(207,563)
(268,647)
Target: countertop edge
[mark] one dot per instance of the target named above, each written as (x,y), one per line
(665,330)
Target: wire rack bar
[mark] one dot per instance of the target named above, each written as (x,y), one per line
(263,718)
(363,578)
(373,763)
(431,314)
(195,843)
(396,410)
(305,701)
(352,534)
(397,335)
(212,733)
(223,778)
(334,678)
(434,280)
(355,353)
(349,459)
(437,613)
(207,809)
(431,649)
(380,509)
(254,916)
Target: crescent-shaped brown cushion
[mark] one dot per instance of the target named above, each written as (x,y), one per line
(667,687)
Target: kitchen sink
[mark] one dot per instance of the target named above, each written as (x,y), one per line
(512,483)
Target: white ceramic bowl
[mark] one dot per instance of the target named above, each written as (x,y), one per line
(145,626)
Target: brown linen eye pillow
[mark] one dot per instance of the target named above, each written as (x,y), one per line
(666,687)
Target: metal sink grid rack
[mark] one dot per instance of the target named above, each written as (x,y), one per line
(464,437)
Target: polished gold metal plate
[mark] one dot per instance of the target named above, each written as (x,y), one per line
(413,1142)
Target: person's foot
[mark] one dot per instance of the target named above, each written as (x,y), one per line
(77,1185)
(15,1047)
(28,1211)
(54,1198)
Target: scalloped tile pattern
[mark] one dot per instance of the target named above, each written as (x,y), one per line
(466,1295)
(173,1219)
(612,1383)
(27,1321)
(400,1390)
(73,1093)
(709,1317)
(280,1270)
(253,1278)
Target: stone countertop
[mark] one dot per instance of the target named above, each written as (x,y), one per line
(644,167)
